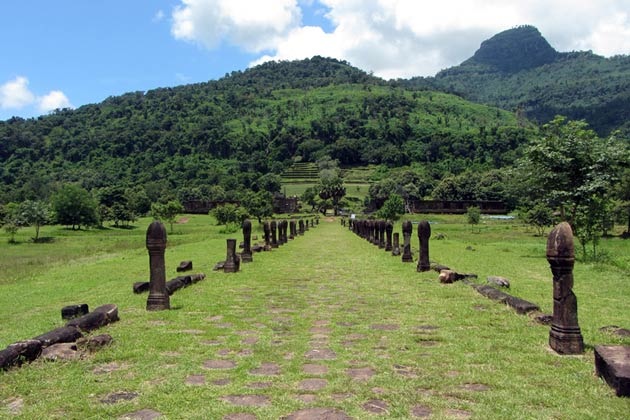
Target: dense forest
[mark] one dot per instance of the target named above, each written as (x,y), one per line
(518,70)
(230,132)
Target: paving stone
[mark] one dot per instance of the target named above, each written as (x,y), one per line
(115,397)
(320,354)
(613,364)
(144,414)
(312,384)
(306,398)
(421,411)
(360,374)
(219,364)
(320,330)
(318,413)
(459,414)
(260,385)
(376,406)
(211,342)
(14,405)
(313,369)
(221,382)
(266,369)
(385,327)
(247,400)
(341,396)
(249,341)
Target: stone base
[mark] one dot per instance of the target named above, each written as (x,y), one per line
(613,364)
(565,340)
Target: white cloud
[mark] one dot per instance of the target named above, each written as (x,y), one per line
(159,16)
(15,94)
(55,99)
(400,38)
(252,25)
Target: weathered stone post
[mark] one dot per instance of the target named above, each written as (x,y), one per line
(267,230)
(281,240)
(389,228)
(381,233)
(300,227)
(232,261)
(285,229)
(274,234)
(156,244)
(396,246)
(424,233)
(407,228)
(306,225)
(565,336)
(292,230)
(246,255)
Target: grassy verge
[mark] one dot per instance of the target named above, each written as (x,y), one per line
(441,348)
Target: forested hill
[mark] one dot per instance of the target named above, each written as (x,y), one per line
(518,70)
(230,132)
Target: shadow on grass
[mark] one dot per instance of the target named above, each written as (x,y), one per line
(43,240)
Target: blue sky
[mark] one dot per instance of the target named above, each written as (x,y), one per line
(70,53)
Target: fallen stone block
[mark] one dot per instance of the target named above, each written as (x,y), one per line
(67,334)
(613,364)
(95,343)
(184,266)
(17,353)
(520,305)
(110,310)
(61,351)
(141,287)
(74,311)
(89,322)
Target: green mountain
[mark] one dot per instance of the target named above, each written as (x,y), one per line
(230,132)
(519,71)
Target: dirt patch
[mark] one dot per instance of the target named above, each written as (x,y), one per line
(240,416)
(475,387)
(459,414)
(260,385)
(219,364)
(266,369)
(249,341)
(211,342)
(247,400)
(221,382)
(196,380)
(320,354)
(318,413)
(360,374)
(183,220)
(312,384)
(144,414)
(376,406)
(313,369)
(321,323)
(108,368)
(320,330)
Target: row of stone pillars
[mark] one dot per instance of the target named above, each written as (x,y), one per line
(564,337)
(276,233)
(380,233)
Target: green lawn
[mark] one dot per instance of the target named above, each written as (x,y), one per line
(421,345)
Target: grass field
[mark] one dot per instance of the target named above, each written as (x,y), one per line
(327,320)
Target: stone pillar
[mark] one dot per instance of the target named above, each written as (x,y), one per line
(407,228)
(274,234)
(396,245)
(246,255)
(565,336)
(424,233)
(306,225)
(156,244)
(267,230)
(292,230)
(281,240)
(285,228)
(232,261)
(381,233)
(301,227)
(389,228)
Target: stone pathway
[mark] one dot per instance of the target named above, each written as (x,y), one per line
(318,343)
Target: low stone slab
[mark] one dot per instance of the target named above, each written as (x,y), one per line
(16,353)
(89,322)
(320,354)
(115,397)
(312,384)
(613,364)
(59,335)
(219,364)
(61,351)
(520,305)
(94,343)
(144,414)
(247,400)
(140,287)
(376,406)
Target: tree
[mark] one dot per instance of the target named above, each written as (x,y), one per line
(392,208)
(12,221)
(167,212)
(35,213)
(540,216)
(573,170)
(259,204)
(75,207)
(229,213)
(330,183)
(473,215)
